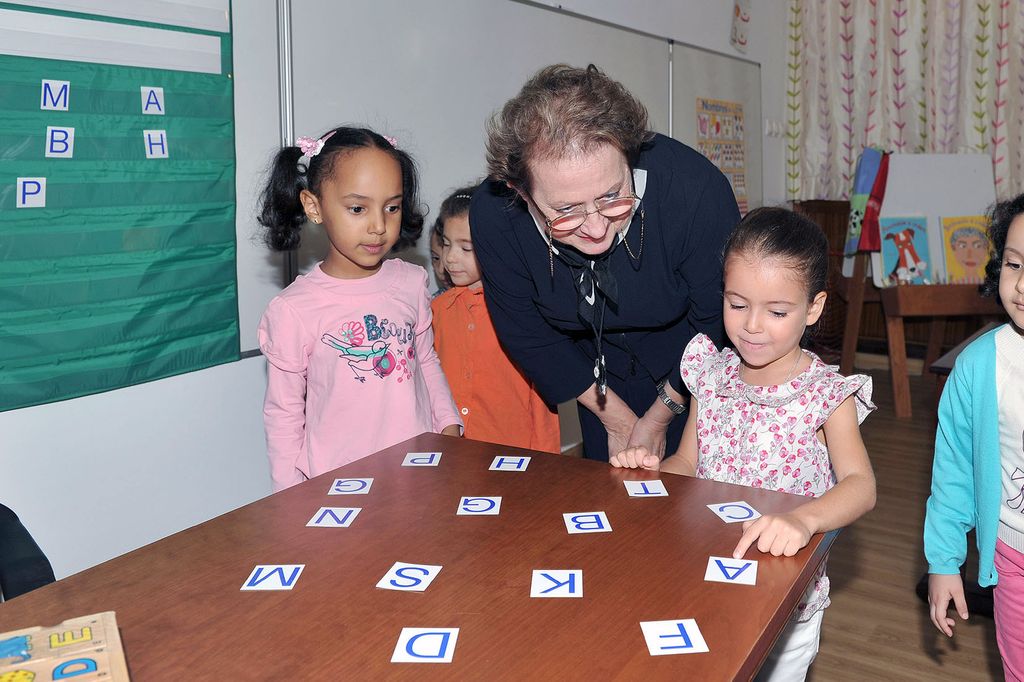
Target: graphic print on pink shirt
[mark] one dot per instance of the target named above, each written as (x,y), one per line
(367,351)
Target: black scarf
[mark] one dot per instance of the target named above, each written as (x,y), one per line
(596,289)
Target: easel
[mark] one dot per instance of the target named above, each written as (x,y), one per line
(936,301)
(856,292)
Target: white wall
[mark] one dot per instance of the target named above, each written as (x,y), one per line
(768,31)
(257,138)
(98,476)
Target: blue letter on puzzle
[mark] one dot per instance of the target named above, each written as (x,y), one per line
(81,665)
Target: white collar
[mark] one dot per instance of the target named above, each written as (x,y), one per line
(639,184)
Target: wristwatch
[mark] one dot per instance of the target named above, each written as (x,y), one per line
(669,403)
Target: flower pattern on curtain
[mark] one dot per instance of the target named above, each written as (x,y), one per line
(908,76)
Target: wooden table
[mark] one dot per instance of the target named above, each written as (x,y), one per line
(943,366)
(183,616)
(928,300)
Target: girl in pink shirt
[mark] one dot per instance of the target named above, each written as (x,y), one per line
(351,367)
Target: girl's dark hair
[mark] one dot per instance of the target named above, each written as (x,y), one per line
(1000,216)
(454,205)
(773,232)
(281,212)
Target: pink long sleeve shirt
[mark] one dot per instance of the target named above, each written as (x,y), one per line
(351,370)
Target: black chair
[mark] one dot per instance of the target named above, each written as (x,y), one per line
(23,566)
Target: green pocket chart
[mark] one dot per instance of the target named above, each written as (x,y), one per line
(117,203)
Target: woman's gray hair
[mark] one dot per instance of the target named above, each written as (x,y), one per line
(562,111)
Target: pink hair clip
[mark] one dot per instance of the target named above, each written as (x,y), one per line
(312,146)
(309,146)
(391,140)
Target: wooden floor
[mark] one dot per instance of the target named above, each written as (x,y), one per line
(877,628)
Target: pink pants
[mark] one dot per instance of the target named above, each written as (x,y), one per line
(1009,610)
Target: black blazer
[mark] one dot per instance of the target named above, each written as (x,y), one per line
(674,292)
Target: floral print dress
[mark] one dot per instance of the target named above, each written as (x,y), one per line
(766,436)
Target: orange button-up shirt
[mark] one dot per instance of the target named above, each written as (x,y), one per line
(496,402)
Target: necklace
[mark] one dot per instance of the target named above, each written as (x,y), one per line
(551,256)
(792,372)
(795,365)
(636,256)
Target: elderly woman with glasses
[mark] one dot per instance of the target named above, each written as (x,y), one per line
(600,247)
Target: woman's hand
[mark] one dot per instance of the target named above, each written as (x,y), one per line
(616,416)
(618,437)
(648,433)
(776,534)
(649,430)
(942,589)
(637,457)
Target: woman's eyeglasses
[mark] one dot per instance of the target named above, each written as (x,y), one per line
(614,209)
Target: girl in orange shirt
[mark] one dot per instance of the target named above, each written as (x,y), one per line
(497,403)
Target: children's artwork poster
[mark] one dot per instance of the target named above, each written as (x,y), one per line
(904,250)
(740,25)
(117,203)
(720,139)
(967,249)
(85,648)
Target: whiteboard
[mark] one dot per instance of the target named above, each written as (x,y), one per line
(432,73)
(48,36)
(699,73)
(937,185)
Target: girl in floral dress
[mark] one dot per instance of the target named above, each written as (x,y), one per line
(772,415)
(351,367)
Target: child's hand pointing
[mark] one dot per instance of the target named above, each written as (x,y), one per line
(776,534)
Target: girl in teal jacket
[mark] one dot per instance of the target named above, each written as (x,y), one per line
(978,474)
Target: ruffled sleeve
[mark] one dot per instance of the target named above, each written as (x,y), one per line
(835,391)
(283,338)
(284,342)
(699,353)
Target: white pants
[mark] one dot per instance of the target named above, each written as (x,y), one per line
(793,652)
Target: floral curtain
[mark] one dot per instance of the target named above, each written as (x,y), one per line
(908,76)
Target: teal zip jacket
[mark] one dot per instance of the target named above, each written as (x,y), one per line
(966,484)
